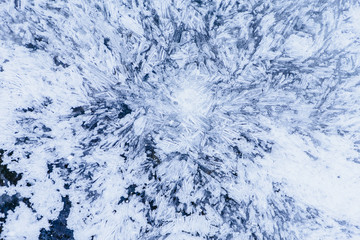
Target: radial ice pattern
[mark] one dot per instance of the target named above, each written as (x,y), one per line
(180,119)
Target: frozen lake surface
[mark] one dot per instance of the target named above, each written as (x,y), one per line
(180,120)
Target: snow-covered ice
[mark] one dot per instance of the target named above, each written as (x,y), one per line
(182,119)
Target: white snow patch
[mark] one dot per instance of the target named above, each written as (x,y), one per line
(299,46)
(330,182)
(22,224)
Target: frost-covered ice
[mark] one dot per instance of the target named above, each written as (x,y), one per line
(182,119)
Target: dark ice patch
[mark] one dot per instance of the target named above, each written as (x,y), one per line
(125,110)
(91,125)
(92,195)
(7,203)
(62,169)
(58,228)
(47,102)
(24,140)
(152,205)
(178,33)
(46,129)
(1,69)
(31,46)
(235,213)
(29,109)
(62,165)
(7,177)
(59,62)
(132,192)
(39,42)
(146,77)
(40,39)
(255,33)
(122,199)
(27,202)
(156,17)
(50,168)
(17,4)
(201,38)
(266,146)
(106,43)
(199,2)
(242,44)
(152,159)
(218,21)
(131,189)
(276,187)
(93,142)
(237,151)
(77,111)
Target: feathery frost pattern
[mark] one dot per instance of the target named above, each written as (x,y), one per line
(181,119)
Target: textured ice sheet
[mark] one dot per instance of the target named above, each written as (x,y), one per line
(179,119)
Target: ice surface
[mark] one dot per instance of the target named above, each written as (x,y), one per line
(186,119)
